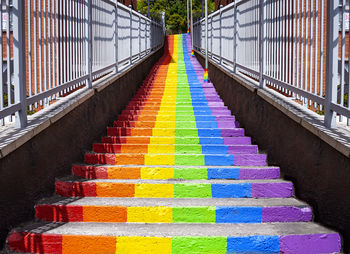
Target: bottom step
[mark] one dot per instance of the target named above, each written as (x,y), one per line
(173,238)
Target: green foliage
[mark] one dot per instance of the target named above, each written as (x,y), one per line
(175,12)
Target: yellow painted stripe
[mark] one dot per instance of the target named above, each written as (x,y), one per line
(159,159)
(155,148)
(160,214)
(143,245)
(162,140)
(146,190)
(157,173)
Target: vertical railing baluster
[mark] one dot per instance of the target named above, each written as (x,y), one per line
(331,61)
(19,62)
(116,36)
(262,42)
(88,36)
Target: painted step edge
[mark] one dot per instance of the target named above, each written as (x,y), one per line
(177,159)
(73,188)
(110,172)
(56,243)
(171,214)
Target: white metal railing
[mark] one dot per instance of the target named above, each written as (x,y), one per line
(291,46)
(52,48)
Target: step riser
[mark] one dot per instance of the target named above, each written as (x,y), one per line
(92,172)
(205,132)
(123,214)
(177,159)
(149,124)
(239,190)
(311,243)
(198,149)
(189,140)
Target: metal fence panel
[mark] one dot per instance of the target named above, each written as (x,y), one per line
(280,45)
(52,48)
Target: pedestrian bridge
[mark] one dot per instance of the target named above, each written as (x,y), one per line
(115,140)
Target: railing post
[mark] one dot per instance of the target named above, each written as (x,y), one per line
(262,43)
(88,9)
(130,34)
(19,63)
(140,37)
(206,76)
(235,40)
(331,62)
(220,25)
(116,37)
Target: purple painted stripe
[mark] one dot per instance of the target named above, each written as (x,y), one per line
(256,173)
(232,132)
(310,244)
(224,117)
(250,160)
(272,190)
(226,124)
(243,149)
(237,140)
(286,214)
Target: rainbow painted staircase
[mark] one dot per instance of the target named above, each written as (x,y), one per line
(175,174)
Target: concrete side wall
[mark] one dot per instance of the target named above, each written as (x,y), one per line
(320,173)
(28,173)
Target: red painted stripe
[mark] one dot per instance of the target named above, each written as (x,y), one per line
(35,243)
(59,213)
(76,189)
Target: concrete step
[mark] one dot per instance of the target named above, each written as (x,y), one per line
(176,149)
(294,237)
(176,140)
(176,159)
(177,132)
(176,172)
(183,124)
(164,210)
(75,187)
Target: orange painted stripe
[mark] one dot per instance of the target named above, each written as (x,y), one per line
(74,244)
(104,214)
(129,159)
(124,173)
(115,190)
(139,140)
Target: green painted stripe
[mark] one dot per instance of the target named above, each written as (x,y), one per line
(205,214)
(187,141)
(191,173)
(187,190)
(199,245)
(188,160)
(188,149)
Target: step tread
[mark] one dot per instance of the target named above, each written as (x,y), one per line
(188,202)
(168,181)
(173,230)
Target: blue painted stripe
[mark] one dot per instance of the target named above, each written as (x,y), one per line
(238,214)
(253,244)
(219,160)
(209,132)
(213,141)
(223,173)
(238,190)
(214,149)
(200,118)
(212,124)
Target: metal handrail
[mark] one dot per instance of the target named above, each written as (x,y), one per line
(59,47)
(279,45)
